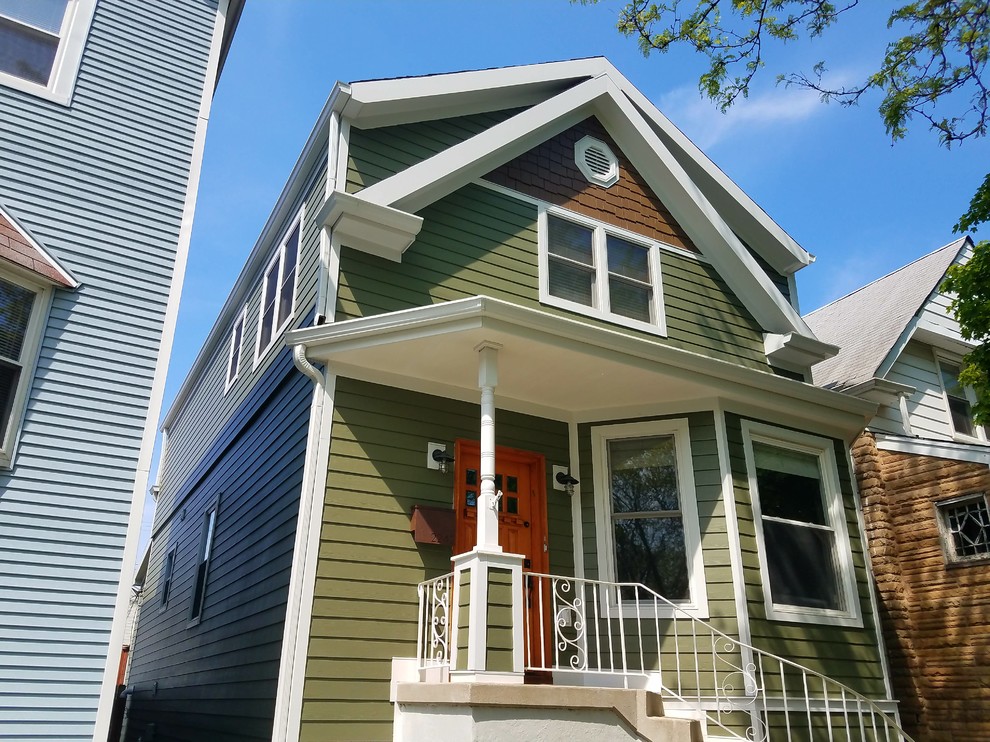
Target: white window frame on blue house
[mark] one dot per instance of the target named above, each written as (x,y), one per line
(601,436)
(26,360)
(235,354)
(850,611)
(71,36)
(277,264)
(600,306)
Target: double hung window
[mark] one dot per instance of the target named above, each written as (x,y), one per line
(234,357)
(959,401)
(41,43)
(600,270)
(21,307)
(648,517)
(805,555)
(278,291)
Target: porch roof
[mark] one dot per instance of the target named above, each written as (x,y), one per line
(559,367)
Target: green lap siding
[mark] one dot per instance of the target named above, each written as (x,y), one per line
(480,242)
(365,605)
(846,654)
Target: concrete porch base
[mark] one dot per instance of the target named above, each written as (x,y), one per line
(481,712)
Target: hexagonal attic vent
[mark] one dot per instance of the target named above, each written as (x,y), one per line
(596,161)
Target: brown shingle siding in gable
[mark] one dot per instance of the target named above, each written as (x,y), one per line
(15,249)
(548,172)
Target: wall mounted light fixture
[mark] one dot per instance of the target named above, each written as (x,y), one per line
(438,458)
(568,482)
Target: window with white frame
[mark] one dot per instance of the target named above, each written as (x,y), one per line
(41,44)
(234,355)
(278,291)
(959,401)
(22,305)
(600,271)
(805,556)
(167,576)
(965,526)
(647,510)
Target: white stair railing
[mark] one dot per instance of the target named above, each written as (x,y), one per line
(433,634)
(625,629)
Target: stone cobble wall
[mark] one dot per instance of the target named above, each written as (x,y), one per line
(936,616)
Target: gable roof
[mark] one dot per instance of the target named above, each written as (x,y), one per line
(21,249)
(873,321)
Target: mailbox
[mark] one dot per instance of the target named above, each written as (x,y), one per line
(432,525)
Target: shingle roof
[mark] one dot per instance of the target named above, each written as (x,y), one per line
(867,323)
(19,249)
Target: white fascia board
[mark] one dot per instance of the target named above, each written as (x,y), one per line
(377,103)
(698,217)
(261,252)
(750,221)
(881,391)
(976,454)
(455,167)
(369,227)
(794,351)
(453,316)
(36,244)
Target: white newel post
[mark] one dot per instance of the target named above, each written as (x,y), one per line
(480,574)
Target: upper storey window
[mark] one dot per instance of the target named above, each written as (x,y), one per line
(41,44)
(600,271)
(959,401)
(278,291)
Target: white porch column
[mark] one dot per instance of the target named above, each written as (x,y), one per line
(487,506)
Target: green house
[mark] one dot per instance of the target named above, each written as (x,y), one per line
(507,431)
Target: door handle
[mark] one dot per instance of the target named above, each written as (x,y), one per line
(526,524)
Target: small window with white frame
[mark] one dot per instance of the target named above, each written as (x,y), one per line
(804,551)
(23,305)
(647,514)
(278,291)
(965,526)
(167,572)
(203,562)
(600,271)
(959,401)
(41,44)
(234,354)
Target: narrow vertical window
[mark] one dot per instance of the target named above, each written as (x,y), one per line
(16,308)
(234,362)
(203,563)
(167,576)
(959,401)
(278,291)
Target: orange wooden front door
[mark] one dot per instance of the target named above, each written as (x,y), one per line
(522,511)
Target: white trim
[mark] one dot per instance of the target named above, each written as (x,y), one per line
(65,68)
(588,143)
(34,334)
(278,257)
(143,470)
(239,348)
(732,531)
(822,449)
(541,204)
(36,244)
(697,605)
(305,560)
(973,452)
(577,511)
(981,436)
(600,285)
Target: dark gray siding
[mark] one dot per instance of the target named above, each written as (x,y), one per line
(102,183)
(216,679)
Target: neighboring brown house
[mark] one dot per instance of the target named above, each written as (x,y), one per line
(923,469)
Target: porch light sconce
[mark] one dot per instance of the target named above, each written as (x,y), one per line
(568,482)
(438,458)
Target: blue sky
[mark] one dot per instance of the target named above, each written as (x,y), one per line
(828,175)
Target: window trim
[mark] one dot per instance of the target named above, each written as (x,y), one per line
(824,450)
(945,535)
(242,322)
(679,428)
(944,358)
(204,556)
(168,576)
(278,257)
(30,351)
(65,68)
(600,292)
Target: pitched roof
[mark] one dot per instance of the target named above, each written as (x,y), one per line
(867,323)
(19,247)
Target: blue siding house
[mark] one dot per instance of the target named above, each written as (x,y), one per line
(103,113)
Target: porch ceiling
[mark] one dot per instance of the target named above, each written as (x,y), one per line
(547,364)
